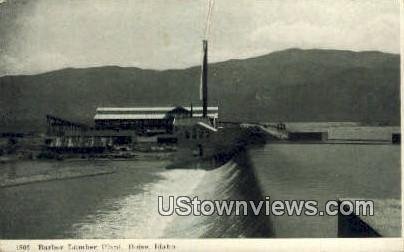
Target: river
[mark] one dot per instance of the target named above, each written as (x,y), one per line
(124,204)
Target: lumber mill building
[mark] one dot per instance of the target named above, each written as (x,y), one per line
(120,126)
(148,120)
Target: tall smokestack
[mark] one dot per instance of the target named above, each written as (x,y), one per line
(205,79)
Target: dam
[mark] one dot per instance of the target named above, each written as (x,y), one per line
(123,204)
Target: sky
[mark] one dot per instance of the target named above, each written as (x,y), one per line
(43,35)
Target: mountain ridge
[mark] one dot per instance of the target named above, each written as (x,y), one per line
(218,62)
(287,85)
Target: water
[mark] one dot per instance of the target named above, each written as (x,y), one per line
(124,204)
(325,172)
(52,209)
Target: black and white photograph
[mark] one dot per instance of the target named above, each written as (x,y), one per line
(172,119)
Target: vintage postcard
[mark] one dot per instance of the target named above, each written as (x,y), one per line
(200,125)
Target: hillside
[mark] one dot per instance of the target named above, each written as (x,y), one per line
(290,85)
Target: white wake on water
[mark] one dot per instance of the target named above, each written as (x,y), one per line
(136,216)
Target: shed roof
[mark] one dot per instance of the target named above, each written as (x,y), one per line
(128,116)
(150,109)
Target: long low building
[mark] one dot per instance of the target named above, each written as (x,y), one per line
(145,120)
